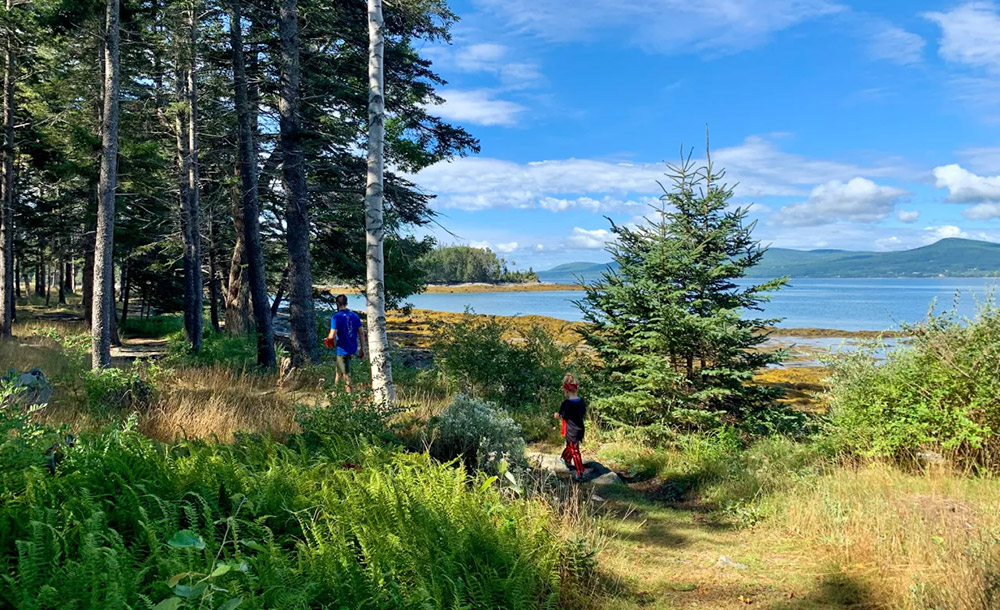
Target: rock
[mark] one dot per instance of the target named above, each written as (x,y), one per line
(608,478)
(725,562)
(32,389)
(548,463)
(930,458)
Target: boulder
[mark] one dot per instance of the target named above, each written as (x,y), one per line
(594,472)
(31,388)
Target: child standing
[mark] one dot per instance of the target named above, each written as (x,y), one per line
(572,412)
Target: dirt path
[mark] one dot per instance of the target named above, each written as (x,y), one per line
(134,349)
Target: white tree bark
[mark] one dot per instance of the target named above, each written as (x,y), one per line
(378,343)
(104,276)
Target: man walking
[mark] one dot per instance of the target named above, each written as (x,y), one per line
(344,327)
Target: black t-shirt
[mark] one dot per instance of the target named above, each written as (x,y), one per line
(573,410)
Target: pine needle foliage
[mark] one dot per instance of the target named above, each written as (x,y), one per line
(672,324)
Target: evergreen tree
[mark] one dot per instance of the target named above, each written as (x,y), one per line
(673,327)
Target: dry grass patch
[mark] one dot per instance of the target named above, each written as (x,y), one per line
(915,540)
(218,403)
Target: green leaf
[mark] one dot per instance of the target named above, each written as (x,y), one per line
(186,539)
(487,483)
(221,569)
(172,603)
(231,604)
(188,592)
(176,578)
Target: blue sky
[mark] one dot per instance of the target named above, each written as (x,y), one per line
(855,125)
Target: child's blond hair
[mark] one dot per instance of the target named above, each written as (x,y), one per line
(570,384)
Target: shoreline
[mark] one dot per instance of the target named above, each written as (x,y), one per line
(471,288)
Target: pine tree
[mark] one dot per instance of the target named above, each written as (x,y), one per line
(672,324)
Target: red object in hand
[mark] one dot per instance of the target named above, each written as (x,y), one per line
(564,427)
(329,343)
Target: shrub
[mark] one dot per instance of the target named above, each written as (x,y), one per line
(113,390)
(348,422)
(940,391)
(524,372)
(235,352)
(478,433)
(155,326)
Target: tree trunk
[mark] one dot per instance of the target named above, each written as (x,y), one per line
(251,209)
(378,343)
(70,278)
(237,291)
(187,153)
(7,278)
(88,274)
(126,291)
(62,278)
(301,311)
(17,276)
(213,272)
(107,182)
(279,294)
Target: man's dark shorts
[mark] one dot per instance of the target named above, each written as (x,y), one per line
(344,364)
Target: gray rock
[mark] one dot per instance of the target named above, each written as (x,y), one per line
(930,458)
(608,478)
(32,388)
(725,562)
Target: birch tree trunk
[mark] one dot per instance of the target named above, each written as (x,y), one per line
(301,311)
(7,191)
(251,208)
(378,343)
(104,239)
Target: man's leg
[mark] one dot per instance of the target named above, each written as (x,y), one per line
(347,374)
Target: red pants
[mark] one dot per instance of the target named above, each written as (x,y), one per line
(572,454)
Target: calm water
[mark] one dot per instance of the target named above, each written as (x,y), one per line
(844,304)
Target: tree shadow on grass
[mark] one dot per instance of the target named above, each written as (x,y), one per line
(833,591)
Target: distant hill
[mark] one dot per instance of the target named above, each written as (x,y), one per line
(949,257)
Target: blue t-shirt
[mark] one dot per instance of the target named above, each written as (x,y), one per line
(346,323)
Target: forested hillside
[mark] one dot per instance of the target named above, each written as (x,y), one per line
(948,257)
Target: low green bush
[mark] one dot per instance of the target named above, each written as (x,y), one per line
(235,352)
(154,326)
(326,522)
(478,433)
(938,391)
(114,390)
(479,356)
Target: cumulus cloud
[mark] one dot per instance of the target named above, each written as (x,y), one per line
(908,216)
(933,234)
(478,107)
(983,211)
(662,26)
(506,248)
(759,167)
(966,187)
(588,240)
(858,200)
(892,43)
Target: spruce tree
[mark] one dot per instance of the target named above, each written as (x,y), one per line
(673,327)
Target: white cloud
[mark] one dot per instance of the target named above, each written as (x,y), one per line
(506,248)
(895,44)
(717,26)
(983,211)
(933,234)
(588,240)
(970,34)
(908,216)
(858,200)
(964,186)
(478,107)
(490,58)
(757,165)
(889,243)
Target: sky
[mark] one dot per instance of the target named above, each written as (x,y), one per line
(851,125)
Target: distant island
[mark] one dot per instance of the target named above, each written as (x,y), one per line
(950,257)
